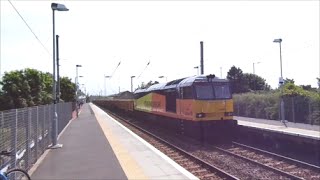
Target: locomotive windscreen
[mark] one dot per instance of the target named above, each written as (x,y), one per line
(209,91)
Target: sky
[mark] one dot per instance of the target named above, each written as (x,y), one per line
(100,34)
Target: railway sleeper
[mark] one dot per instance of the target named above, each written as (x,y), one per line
(186,164)
(251,153)
(199,171)
(170,151)
(207,176)
(174,155)
(278,163)
(271,164)
(177,157)
(289,167)
(242,151)
(182,161)
(234,149)
(164,147)
(268,159)
(194,167)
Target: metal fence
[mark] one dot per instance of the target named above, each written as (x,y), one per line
(297,109)
(27,133)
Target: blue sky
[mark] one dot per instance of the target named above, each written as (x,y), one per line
(100,34)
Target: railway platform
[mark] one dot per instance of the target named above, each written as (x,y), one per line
(292,129)
(294,140)
(95,146)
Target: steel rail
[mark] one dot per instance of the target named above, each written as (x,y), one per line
(300,163)
(260,164)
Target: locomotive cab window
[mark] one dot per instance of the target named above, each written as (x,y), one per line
(222,92)
(212,91)
(187,92)
(204,91)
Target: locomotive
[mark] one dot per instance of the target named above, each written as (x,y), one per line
(200,107)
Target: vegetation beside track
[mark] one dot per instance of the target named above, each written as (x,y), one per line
(301,106)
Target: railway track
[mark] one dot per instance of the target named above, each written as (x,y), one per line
(247,162)
(289,167)
(196,166)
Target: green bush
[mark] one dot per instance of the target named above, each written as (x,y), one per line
(300,105)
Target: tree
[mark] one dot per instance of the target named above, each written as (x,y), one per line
(252,82)
(67,89)
(46,93)
(287,80)
(33,78)
(307,87)
(30,87)
(246,82)
(291,90)
(15,89)
(236,78)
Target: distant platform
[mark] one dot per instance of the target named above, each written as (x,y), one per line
(295,129)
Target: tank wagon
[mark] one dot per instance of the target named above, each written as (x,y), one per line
(200,107)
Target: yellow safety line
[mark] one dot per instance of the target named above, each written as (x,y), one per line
(128,164)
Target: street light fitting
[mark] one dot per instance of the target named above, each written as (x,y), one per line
(196,67)
(107,76)
(132,83)
(161,76)
(78,65)
(80,76)
(277,40)
(59,7)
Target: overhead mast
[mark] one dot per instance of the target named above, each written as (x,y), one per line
(201,57)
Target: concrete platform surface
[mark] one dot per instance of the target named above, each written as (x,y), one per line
(86,153)
(295,129)
(95,146)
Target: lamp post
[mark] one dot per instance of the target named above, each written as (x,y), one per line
(197,67)
(281,81)
(253,66)
(163,77)
(58,75)
(76,82)
(254,80)
(132,83)
(55,7)
(105,89)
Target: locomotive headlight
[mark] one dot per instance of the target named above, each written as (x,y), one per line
(200,115)
(228,113)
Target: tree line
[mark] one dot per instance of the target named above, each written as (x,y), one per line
(254,98)
(30,87)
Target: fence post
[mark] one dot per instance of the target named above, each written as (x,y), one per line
(310,112)
(293,110)
(43,128)
(2,120)
(2,141)
(37,137)
(28,141)
(49,125)
(14,141)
